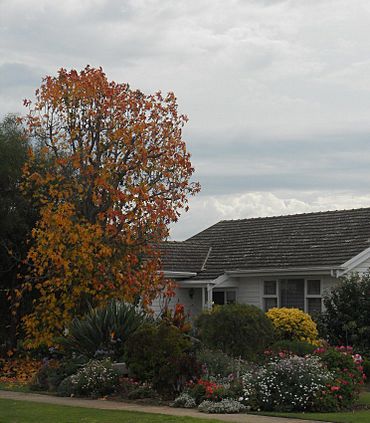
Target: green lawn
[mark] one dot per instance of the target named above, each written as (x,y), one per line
(361,416)
(30,412)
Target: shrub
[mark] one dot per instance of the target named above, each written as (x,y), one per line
(48,377)
(293,324)
(291,383)
(347,371)
(226,406)
(207,389)
(103,331)
(96,378)
(300,348)
(142,392)
(346,320)
(184,400)
(53,372)
(366,366)
(163,355)
(237,329)
(218,364)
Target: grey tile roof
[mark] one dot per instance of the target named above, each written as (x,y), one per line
(302,240)
(183,256)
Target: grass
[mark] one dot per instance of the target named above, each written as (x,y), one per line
(30,412)
(358,416)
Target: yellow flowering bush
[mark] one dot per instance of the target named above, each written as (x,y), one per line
(293,324)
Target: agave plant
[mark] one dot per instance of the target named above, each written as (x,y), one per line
(103,331)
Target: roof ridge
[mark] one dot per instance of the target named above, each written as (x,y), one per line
(291,215)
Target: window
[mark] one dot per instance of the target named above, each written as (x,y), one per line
(269,303)
(230,297)
(269,288)
(313,296)
(313,287)
(304,294)
(292,293)
(313,305)
(270,299)
(224,296)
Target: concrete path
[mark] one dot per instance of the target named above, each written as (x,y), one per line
(117,405)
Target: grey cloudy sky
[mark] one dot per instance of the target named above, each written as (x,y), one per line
(277,91)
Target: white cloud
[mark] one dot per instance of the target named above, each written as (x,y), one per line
(277,91)
(206,211)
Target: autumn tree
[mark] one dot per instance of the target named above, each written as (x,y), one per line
(115,173)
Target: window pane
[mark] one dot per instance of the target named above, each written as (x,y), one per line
(230,297)
(270,303)
(269,288)
(292,293)
(314,305)
(219,297)
(313,287)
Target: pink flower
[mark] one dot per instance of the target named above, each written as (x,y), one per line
(334,388)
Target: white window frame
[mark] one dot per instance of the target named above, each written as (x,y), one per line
(307,295)
(225,290)
(277,294)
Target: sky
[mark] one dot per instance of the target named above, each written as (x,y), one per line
(277,91)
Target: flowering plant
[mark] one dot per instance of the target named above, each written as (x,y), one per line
(96,378)
(348,376)
(287,383)
(207,390)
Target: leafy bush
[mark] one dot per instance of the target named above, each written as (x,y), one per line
(291,383)
(96,378)
(53,372)
(346,320)
(184,400)
(142,392)
(163,355)
(347,372)
(226,406)
(300,348)
(103,331)
(218,364)
(207,389)
(293,324)
(237,329)
(48,377)
(366,366)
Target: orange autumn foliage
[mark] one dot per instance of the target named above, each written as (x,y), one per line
(114,173)
(18,371)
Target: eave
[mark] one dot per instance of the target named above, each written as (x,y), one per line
(291,271)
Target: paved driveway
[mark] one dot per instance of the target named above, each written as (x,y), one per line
(117,405)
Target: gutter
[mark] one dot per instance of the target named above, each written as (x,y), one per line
(178,275)
(317,270)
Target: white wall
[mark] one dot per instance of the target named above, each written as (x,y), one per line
(193,305)
(249,290)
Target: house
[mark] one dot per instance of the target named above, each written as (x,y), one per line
(283,261)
